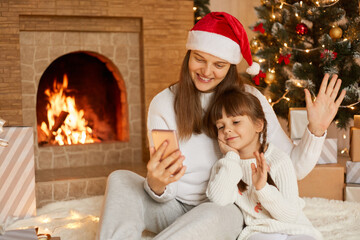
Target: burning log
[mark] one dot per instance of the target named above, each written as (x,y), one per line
(59,121)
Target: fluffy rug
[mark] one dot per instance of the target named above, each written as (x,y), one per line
(78,219)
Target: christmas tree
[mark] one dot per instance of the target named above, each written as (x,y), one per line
(297,42)
(201,8)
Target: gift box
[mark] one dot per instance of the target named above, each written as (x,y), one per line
(352,192)
(324,181)
(20,234)
(17,174)
(328,152)
(355,144)
(352,172)
(357,121)
(297,122)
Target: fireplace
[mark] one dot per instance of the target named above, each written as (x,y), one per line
(79,101)
(102,71)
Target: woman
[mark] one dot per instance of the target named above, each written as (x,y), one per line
(174,203)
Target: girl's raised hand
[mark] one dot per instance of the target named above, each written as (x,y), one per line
(224,148)
(259,172)
(322,111)
(161,172)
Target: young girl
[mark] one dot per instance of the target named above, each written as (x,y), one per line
(263,186)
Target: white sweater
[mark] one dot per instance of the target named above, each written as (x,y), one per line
(269,210)
(201,152)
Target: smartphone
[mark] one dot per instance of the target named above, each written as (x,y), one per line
(160,135)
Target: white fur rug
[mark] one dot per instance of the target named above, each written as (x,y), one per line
(78,219)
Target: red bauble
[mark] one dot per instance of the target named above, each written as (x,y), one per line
(301,29)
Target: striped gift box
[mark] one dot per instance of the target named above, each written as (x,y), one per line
(17,174)
(20,234)
(328,152)
(352,172)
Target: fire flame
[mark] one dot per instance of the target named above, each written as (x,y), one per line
(74,128)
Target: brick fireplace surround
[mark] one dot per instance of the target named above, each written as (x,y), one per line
(144,39)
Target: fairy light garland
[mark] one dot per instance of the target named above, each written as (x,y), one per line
(351,106)
(302,50)
(317,3)
(282,97)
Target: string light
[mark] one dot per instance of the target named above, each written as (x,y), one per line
(345,150)
(351,106)
(302,50)
(317,3)
(282,97)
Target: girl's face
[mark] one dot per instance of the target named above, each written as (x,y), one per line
(240,133)
(206,70)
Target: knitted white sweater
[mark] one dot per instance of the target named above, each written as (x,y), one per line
(201,152)
(269,210)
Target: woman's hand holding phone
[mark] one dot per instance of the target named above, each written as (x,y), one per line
(161,172)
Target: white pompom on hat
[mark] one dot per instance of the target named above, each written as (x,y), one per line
(222,35)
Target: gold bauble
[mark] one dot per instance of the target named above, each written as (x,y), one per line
(255,45)
(335,33)
(265,2)
(270,77)
(255,58)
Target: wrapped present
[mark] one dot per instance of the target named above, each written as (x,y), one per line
(20,234)
(352,192)
(357,121)
(352,172)
(297,122)
(17,174)
(324,181)
(355,144)
(328,152)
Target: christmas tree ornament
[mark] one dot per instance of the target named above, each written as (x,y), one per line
(284,58)
(256,79)
(335,32)
(270,77)
(255,45)
(265,2)
(301,29)
(328,55)
(256,58)
(259,28)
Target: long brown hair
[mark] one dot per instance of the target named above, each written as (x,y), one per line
(187,105)
(237,102)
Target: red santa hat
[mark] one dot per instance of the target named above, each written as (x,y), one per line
(222,35)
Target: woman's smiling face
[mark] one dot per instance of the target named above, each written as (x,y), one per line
(206,70)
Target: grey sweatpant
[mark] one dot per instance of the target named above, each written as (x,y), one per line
(128,210)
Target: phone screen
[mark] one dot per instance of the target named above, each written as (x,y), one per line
(159,136)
